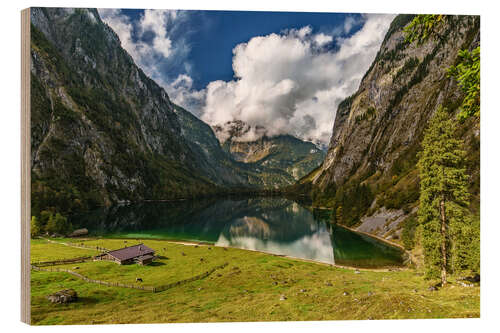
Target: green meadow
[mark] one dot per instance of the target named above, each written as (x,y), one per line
(252,287)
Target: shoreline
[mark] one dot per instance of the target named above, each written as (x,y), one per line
(250,285)
(388,242)
(201,243)
(262,193)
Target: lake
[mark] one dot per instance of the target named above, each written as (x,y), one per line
(272,225)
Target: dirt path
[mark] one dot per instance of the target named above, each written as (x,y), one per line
(77,246)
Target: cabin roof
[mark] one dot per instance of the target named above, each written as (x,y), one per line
(131,252)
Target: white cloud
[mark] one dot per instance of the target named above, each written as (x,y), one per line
(157,42)
(350,22)
(182,93)
(288,84)
(158,25)
(156,20)
(322,39)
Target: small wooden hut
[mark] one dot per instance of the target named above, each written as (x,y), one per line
(140,254)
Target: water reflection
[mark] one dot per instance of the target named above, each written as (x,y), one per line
(272,225)
(255,234)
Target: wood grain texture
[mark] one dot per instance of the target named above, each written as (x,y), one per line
(25,166)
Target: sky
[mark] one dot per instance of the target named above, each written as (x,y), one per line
(284,71)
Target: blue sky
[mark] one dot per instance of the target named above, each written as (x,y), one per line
(213,56)
(282,70)
(212,35)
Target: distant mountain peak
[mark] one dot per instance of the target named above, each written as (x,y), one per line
(239,131)
(252,145)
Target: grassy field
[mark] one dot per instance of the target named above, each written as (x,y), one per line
(253,287)
(42,250)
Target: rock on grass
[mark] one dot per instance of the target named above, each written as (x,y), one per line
(63,296)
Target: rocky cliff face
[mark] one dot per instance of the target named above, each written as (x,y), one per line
(102,131)
(378,130)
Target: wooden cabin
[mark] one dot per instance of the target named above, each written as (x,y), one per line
(139,254)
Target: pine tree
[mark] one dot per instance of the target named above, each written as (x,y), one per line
(466,249)
(443,195)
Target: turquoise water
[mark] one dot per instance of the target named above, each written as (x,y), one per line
(273,225)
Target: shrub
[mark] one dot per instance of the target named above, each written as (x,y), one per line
(58,224)
(36,227)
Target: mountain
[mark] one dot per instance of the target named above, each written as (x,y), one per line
(283,152)
(102,131)
(252,175)
(369,175)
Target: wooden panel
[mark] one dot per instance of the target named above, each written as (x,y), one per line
(25,166)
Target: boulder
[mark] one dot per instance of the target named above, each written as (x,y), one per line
(475,278)
(63,296)
(79,232)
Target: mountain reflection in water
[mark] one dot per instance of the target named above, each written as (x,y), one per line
(272,225)
(255,234)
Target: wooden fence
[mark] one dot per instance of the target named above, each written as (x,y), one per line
(122,285)
(86,279)
(194,278)
(80,245)
(84,246)
(61,261)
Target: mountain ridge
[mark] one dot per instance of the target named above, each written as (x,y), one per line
(285,152)
(103,132)
(371,161)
